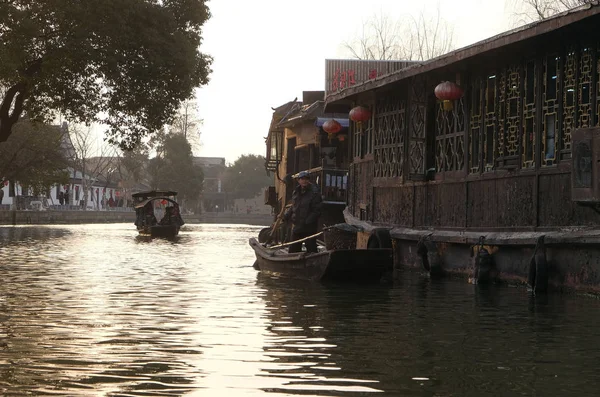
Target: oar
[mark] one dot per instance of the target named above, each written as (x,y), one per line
(276,225)
(300,240)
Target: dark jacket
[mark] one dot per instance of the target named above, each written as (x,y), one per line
(306,207)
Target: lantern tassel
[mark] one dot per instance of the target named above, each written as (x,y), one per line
(447,105)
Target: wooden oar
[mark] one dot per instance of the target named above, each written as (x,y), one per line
(300,240)
(276,225)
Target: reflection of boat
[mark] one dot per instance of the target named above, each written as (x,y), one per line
(146,222)
(338,265)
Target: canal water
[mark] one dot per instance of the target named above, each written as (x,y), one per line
(94,310)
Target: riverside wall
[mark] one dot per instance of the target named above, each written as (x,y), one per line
(79,217)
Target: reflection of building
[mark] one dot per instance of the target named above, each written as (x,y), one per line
(213,196)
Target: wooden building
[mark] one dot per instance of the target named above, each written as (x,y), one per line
(296,142)
(514,162)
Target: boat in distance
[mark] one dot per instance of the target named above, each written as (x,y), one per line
(145,204)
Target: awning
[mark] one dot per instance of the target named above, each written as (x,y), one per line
(321,120)
(143,203)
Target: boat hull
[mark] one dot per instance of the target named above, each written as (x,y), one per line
(336,265)
(166,231)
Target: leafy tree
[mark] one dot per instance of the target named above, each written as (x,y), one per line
(245,178)
(34,155)
(175,170)
(131,168)
(125,64)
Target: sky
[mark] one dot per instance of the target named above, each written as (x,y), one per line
(266,52)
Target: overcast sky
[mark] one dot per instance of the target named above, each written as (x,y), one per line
(266,52)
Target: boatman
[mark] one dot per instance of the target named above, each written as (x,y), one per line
(304,213)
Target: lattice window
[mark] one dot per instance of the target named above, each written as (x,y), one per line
(357,142)
(417,127)
(598,86)
(362,143)
(529,125)
(501,114)
(390,116)
(513,111)
(569,87)
(475,126)
(450,138)
(550,108)
(584,94)
(490,123)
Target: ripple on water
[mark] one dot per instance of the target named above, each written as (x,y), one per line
(95,310)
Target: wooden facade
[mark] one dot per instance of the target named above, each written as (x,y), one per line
(509,177)
(296,142)
(501,159)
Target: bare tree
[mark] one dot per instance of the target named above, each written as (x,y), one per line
(430,36)
(535,10)
(85,148)
(380,39)
(409,38)
(187,123)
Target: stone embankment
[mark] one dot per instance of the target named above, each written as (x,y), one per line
(79,217)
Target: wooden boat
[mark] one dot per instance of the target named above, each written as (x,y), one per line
(326,265)
(147,224)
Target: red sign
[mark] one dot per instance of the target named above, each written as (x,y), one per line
(343,79)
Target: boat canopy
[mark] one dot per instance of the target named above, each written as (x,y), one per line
(154,193)
(143,203)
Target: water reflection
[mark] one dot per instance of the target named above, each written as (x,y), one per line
(95,310)
(307,324)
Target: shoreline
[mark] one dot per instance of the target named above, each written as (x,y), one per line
(27,217)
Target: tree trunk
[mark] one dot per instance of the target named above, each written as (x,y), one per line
(16,95)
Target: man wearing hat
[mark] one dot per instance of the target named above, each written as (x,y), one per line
(304,213)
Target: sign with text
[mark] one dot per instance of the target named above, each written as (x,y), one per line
(344,73)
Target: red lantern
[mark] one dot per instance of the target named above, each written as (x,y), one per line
(342,137)
(163,202)
(447,92)
(359,114)
(331,127)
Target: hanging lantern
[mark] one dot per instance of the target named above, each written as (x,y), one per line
(331,127)
(163,202)
(359,114)
(342,137)
(448,92)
